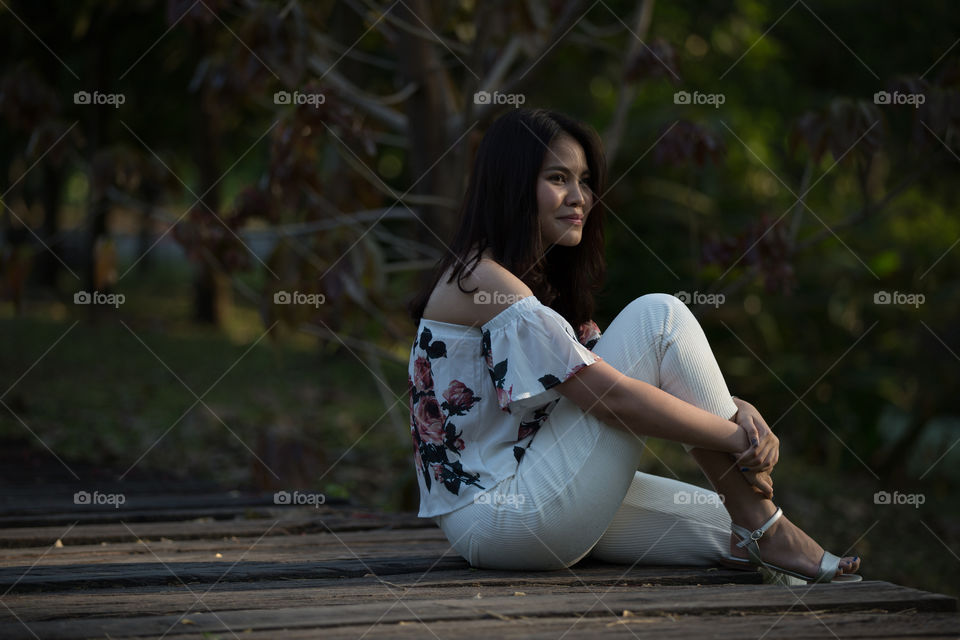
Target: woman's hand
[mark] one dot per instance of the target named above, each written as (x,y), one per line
(764,453)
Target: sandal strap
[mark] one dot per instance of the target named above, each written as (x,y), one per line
(748,539)
(829,564)
(747,536)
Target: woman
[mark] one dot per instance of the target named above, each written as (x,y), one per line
(527,434)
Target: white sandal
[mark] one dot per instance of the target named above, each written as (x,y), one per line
(748,540)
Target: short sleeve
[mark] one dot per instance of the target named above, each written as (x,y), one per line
(529,349)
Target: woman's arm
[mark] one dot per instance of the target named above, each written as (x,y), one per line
(641,408)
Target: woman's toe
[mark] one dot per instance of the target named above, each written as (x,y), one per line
(850,564)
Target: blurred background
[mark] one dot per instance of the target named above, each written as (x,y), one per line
(214,212)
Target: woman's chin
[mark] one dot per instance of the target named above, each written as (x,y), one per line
(567,239)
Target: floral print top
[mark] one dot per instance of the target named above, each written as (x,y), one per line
(478,395)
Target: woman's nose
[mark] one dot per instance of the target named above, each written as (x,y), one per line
(576,196)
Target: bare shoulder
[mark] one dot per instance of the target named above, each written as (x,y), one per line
(492,289)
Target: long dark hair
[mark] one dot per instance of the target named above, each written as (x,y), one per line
(499,212)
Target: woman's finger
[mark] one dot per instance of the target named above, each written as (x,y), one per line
(748,458)
(751,430)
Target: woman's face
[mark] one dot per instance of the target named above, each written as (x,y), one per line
(563,197)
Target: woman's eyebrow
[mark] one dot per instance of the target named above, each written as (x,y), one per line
(566,170)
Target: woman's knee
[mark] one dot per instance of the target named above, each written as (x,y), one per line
(659,305)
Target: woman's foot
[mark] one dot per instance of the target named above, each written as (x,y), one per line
(786,545)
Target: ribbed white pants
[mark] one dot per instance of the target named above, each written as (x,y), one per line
(577,489)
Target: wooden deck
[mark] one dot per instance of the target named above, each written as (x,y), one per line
(224,565)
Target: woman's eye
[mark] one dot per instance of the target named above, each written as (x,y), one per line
(559,177)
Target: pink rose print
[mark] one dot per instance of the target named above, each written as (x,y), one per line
(412,391)
(418,461)
(589,334)
(525,430)
(436,441)
(430,420)
(423,376)
(574,371)
(504,397)
(459,397)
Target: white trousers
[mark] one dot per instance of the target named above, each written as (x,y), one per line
(577,490)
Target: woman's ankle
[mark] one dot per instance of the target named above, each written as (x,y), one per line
(752,512)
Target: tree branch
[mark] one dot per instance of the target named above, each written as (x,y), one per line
(869,210)
(641,25)
(568,18)
(421,32)
(366,103)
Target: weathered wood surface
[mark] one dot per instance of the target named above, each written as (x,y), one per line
(247,566)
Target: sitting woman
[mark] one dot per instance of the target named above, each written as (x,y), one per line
(527,434)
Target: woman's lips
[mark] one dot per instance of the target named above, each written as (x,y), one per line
(578,220)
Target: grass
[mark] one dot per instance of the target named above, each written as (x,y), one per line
(118,388)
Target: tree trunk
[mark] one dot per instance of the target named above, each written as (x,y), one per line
(428,109)
(99,207)
(208,297)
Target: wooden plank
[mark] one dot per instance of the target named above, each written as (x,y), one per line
(312,546)
(59,508)
(13,493)
(800,626)
(698,601)
(295,521)
(466,584)
(135,515)
(95,576)
(61,499)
